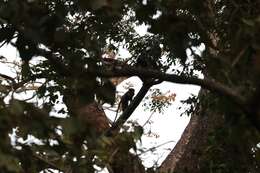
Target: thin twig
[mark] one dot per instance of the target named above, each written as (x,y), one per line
(205,83)
(155,147)
(147,121)
(238,57)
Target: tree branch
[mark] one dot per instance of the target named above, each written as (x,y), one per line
(248,107)
(205,83)
(7,77)
(47,162)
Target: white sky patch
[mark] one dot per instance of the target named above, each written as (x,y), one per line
(144,2)
(157,15)
(141,29)
(11,55)
(123,53)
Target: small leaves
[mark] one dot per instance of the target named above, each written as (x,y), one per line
(159,101)
(165,98)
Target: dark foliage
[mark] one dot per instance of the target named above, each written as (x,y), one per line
(67,39)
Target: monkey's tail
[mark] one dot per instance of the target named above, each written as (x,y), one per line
(119,104)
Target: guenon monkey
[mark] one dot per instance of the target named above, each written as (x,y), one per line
(125,100)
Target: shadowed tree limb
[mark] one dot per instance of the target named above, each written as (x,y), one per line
(7,77)
(205,83)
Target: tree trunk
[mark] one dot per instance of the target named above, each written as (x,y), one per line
(210,143)
(186,155)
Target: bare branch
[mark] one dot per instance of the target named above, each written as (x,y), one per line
(47,162)
(239,56)
(149,118)
(7,77)
(155,147)
(205,83)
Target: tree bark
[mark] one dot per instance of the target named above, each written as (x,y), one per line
(210,143)
(185,156)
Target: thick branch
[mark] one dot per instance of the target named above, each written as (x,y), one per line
(180,79)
